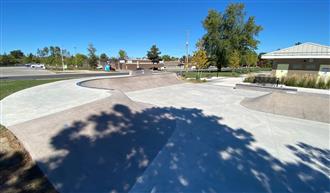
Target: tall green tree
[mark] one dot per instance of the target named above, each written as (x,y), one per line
(122,54)
(92,58)
(55,56)
(154,54)
(104,58)
(45,51)
(212,40)
(250,58)
(234,59)
(16,56)
(166,57)
(229,32)
(200,59)
(7,60)
(80,59)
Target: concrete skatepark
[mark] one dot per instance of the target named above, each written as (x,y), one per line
(159,137)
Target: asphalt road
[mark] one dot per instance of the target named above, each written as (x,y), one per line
(22,71)
(80,75)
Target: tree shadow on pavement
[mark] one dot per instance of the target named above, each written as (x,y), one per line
(18,173)
(174,150)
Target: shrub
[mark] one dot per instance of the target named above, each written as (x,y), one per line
(307,82)
(249,79)
(327,85)
(302,82)
(290,81)
(321,83)
(311,82)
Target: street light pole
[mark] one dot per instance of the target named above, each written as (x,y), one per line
(62,59)
(187,50)
(75,56)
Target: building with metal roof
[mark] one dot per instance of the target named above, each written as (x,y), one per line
(307,59)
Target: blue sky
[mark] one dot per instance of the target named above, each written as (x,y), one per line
(135,25)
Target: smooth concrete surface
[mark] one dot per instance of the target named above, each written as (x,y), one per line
(104,149)
(224,102)
(314,107)
(46,99)
(133,83)
(191,138)
(226,81)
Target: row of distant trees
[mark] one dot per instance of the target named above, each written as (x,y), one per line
(53,55)
(229,41)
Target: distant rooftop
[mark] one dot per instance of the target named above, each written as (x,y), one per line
(305,50)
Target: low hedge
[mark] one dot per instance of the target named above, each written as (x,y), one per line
(306,81)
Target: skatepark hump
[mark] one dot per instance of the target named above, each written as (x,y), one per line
(300,105)
(133,83)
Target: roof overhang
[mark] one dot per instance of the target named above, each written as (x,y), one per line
(294,57)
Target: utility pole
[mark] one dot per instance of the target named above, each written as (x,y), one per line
(75,56)
(62,59)
(187,50)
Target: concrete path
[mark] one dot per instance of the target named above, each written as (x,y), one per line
(205,142)
(46,99)
(226,81)
(292,146)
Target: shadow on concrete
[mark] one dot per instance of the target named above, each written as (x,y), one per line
(175,150)
(18,173)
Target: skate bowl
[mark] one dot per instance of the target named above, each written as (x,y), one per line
(299,105)
(133,83)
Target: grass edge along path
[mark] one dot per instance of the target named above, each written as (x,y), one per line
(8,87)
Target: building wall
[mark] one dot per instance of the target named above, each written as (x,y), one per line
(134,66)
(301,67)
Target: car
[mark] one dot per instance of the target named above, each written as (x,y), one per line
(212,68)
(99,67)
(163,68)
(38,66)
(193,68)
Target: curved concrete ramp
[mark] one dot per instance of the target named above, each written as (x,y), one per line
(133,83)
(103,146)
(300,105)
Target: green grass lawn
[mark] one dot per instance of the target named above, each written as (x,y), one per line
(8,87)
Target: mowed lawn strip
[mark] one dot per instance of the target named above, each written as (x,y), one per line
(8,87)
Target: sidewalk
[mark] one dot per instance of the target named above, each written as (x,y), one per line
(47,99)
(225,81)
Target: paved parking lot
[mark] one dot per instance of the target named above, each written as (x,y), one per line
(22,71)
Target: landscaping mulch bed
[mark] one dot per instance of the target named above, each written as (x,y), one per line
(19,173)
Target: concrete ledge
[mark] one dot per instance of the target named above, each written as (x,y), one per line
(263,88)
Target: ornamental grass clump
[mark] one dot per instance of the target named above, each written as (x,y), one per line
(321,83)
(250,79)
(311,82)
(327,85)
(290,81)
(302,82)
